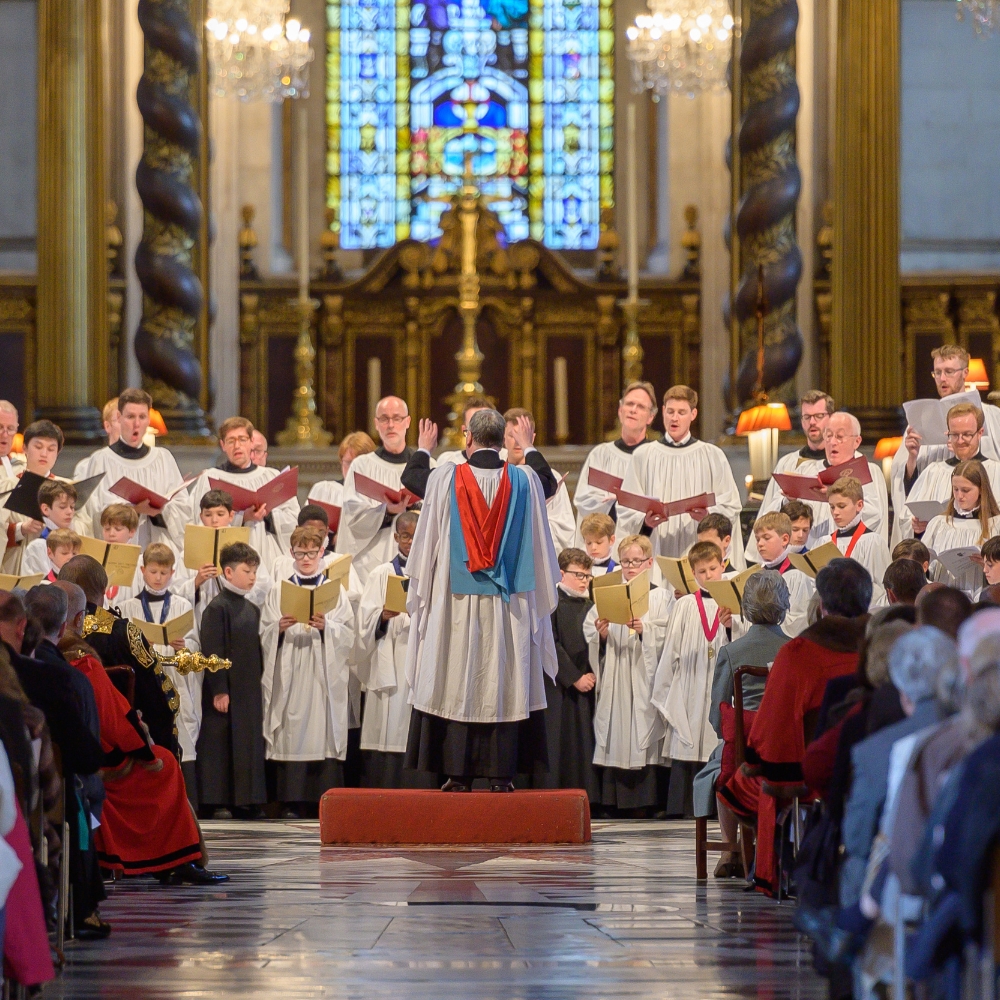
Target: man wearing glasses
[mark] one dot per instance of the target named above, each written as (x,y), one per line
(366,526)
(815,408)
(950,371)
(271,530)
(636,411)
(965,437)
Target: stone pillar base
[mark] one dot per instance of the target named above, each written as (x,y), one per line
(79,424)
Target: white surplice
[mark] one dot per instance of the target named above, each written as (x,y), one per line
(800,592)
(613,457)
(872,552)
(668,473)
(386,720)
(934,483)
(945,533)
(562,520)
(361,520)
(876,507)
(627,728)
(156,470)
(188,685)
(801,465)
(268,545)
(305,683)
(990,448)
(329,491)
(682,687)
(473,657)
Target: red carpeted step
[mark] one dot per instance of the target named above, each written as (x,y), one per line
(416,816)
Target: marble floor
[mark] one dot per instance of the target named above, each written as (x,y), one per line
(621,917)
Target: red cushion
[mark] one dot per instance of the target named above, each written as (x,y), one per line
(418,816)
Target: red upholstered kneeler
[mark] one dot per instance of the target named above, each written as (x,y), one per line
(417,816)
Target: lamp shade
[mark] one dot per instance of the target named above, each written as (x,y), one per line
(768,417)
(887,448)
(17,445)
(156,424)
(978,379)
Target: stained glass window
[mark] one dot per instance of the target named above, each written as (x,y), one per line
(521,89)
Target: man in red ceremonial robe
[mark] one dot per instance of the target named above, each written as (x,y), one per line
(795,687)
(147,826)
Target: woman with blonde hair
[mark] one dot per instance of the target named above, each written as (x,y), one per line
(972,517)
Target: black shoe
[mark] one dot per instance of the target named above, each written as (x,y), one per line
(502,786)
(835,944)
(451,785)
(289,813)
(192,874)
(93,928)
(222,813)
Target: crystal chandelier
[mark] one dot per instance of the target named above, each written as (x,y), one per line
(257,55)
(681,46)
(985,14)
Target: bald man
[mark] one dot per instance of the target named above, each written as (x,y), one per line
(366,526)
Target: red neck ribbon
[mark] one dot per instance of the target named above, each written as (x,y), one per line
(858,532)
(482,525)
(710,633)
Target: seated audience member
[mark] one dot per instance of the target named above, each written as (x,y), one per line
(67,700)
(147,825)
(777,741)
(943,607)
(959,845)
(913,548)
(801,516)
(914,662)
(119,642)
(765,605)
(903,580)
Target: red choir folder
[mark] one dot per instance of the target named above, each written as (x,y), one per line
(375,490)
(660,510)
(145,500)
(273,493)
(601,480)
(797,487)
(332,512)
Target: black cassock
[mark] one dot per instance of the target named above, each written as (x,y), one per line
(231,744)
(569,718)
(117,641)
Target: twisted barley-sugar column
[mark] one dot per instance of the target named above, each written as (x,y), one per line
(72,266)
(866,348)
(165,260)
(765,219)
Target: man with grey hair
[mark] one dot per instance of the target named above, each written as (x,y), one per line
(366,524)
(765,603)
(482,591)
(915,661)
(11,464)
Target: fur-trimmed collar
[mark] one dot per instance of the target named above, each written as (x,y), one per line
(838,635)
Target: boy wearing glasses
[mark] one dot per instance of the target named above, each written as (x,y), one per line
(569,717)
(270,529)
(305,684)
(367,526)
(965,436)
(627,728)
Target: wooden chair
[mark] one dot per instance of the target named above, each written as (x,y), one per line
(744,844)
(123,678)
(787,799)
